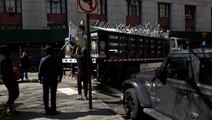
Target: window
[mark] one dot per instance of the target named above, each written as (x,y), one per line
(11,17)
(19,6)
(189,18)
(10,3)
(56,14)
(163,10)
(177,68)
(10,6)
(101,14)
(102,7)
(205,76)
(133,8)
(189,12)
(1,6)
(164,16)
(56,6)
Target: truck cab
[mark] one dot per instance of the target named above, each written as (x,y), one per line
(177,43)
(180,89)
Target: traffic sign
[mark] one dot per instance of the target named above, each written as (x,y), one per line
(87,6)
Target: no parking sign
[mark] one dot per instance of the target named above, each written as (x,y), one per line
(87,6)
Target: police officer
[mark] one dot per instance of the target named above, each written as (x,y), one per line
(50,73)
(8,77)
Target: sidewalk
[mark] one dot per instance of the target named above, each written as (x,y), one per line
(30,103)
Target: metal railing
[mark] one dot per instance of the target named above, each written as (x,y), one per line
(147,29)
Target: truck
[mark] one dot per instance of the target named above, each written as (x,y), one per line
(118,51)
(179,89)
(118,55)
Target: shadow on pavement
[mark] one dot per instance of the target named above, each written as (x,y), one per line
(64,115)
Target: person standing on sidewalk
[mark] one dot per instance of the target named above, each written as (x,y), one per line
(82,74)
(24,65)
(7,75)
(50,73)
(77,44)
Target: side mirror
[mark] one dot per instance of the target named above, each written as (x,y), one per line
(161,75)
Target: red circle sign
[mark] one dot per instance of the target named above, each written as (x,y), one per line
(92,7)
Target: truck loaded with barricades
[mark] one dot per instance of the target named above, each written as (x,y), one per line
(119,50)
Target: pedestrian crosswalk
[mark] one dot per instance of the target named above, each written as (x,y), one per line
(67,91)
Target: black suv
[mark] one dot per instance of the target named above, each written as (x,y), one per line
(180,89)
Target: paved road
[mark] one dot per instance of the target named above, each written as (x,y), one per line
(112,97)
(109,95)
(31,107)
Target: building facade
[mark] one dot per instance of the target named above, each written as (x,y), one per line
(42,21)
(175,15)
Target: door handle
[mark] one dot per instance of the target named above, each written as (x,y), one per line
(194,96)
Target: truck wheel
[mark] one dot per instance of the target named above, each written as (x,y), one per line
(131,104)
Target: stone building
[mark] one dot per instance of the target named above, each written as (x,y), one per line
(31,24)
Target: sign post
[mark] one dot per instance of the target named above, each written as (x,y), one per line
(88,56)
(88,6)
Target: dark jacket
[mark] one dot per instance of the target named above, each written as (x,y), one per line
(50,68)
(83,61)
(7,72)
(24,62)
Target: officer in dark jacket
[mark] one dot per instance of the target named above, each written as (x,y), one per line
(82,74)
(50,73)
(8,77)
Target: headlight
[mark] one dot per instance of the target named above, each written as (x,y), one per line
(148,85)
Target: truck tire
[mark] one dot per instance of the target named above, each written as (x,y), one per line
(131,104)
